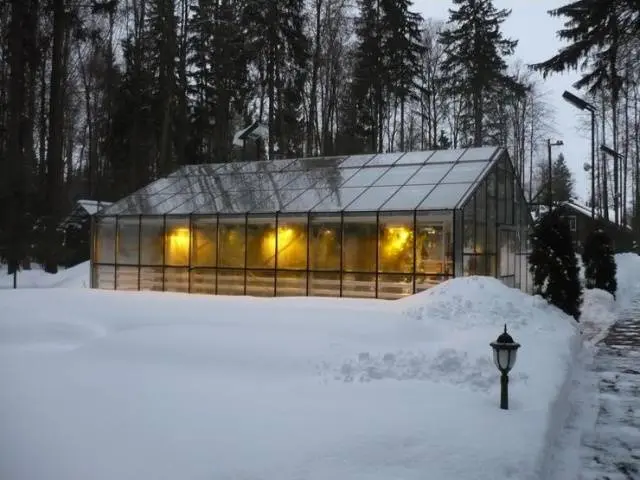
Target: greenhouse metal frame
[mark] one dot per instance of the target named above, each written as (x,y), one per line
(374,226)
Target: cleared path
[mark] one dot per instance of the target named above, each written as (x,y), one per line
(612,450)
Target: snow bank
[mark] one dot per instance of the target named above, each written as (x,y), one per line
(628,276)
(74,277)
(599,313)
(133,385)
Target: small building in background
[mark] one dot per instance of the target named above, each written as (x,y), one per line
(374,225)
(582,224)
(76,228)
(250,142)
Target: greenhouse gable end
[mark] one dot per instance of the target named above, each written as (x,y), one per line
(377,226)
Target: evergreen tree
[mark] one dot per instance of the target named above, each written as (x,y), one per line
(279,51)
(219,64)
(562,182)
(475,58)
(554,265)
(386,64)
(599,262)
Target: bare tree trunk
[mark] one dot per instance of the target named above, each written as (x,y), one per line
(56,138)
(313,94)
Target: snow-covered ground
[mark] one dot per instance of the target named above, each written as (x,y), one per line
(141,385)
(76,277)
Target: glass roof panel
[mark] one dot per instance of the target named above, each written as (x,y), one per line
(465,172)
(414,157)
(387,159)
(356,160)
(171,203)
(158,186)
(315,184)
(314,163)
(398,175)
(229,167)
(338,199)
(204,169)
(430,174)
(277,201)
(332,179)
(263,165)
(299,179)
(239,202)
(307,200)
(443,156)
(408,197)
(444,196)
(365,177)
(482,153)
(372,199)
(137,204)
(203,202)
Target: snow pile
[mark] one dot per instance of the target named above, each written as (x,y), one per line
(628,276)
(74,277)
(141,385)
(599,312)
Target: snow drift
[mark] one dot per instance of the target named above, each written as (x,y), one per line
(131,385)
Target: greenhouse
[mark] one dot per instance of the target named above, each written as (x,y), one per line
(376,226)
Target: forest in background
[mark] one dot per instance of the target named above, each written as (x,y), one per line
(98,98)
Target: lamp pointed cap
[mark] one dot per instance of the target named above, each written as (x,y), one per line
(504,336)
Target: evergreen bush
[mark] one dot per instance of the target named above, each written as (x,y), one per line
(553,264)
(599,262)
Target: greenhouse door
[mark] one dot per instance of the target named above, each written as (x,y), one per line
(507,255)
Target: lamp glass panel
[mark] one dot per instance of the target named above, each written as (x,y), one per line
(503,358)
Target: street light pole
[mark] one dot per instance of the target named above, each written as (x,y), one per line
(616,159)
(593,164)
(584,105)
(550,186)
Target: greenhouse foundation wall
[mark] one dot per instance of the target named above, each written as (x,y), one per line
(368,255)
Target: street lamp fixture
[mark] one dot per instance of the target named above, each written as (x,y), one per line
(504,357)
(584,105)
(550,144)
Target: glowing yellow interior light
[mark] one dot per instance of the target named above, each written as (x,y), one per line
(396,240)
(291,247)
(178,246)
(285,235)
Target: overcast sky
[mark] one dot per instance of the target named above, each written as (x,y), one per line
(535,31)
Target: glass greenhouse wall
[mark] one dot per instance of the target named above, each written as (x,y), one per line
(378,226)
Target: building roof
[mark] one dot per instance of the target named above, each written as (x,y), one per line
(425,180)
(586,210)
(83,209)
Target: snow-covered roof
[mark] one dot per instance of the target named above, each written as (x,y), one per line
(83,209)
(255,130)
(538,210)
(93,206)
(586,210)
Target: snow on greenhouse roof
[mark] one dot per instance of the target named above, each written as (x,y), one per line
(426,180)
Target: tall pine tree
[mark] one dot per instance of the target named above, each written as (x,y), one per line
(475,58)
(387,58)
(562,182)
(279,52)
(219,64)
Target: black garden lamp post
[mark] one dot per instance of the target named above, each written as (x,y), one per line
(504,356)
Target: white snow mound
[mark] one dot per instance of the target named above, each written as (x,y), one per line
(143,385)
